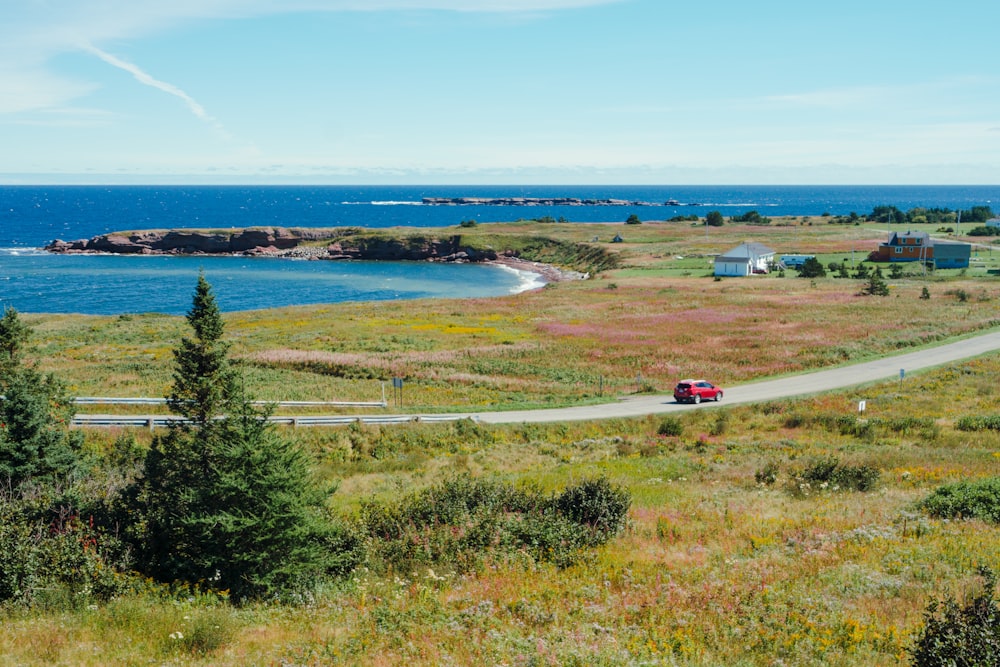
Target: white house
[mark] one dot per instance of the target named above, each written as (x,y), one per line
(744,259)
(993,222)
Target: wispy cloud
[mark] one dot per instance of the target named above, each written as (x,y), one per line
(33,33)
(148,80)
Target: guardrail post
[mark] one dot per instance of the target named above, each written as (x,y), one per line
(151,422)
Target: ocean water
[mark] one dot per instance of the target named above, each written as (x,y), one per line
(32,216)
(34,281)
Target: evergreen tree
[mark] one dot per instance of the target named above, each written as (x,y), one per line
(204,383)
(225,501)
(35,441)
(876,285)
(14,335)
(811,268)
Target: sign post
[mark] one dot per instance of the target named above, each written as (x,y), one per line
(397,387)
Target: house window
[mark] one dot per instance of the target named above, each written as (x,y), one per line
(899,250)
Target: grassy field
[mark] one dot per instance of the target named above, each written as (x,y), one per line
(720,564)
(657,318)
(733,554)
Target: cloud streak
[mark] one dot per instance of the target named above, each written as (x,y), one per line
(148,80)
(33,33)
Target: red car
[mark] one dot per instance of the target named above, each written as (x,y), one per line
(696,391)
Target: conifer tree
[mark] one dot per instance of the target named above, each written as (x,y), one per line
(226,501)
(35,441)
(14,335)
(876,285)
(203,379)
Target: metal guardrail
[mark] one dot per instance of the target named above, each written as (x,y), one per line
(110,400)
(152,421)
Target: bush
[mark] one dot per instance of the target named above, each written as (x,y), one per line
(53,557)
(464,521)
(811,268)
(767,475)
(963,636)
(966,500)
(671,427)
(596,504)
(988,423)
(830,473)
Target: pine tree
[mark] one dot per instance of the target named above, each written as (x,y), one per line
(225,501)
(14,335)
(204,383)
(876,285)
(35,442)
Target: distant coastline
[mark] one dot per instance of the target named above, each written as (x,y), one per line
(544,201)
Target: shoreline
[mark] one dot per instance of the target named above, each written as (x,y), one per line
(293,243)
(543,274)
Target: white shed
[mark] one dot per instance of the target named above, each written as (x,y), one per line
(744,259)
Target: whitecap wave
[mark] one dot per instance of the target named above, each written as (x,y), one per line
(22,251)
(527,280)
(748,205)
(396,203)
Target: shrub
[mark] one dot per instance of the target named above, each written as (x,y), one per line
(468,223)
(828,472)
(987,423)
(811,268)
(670,426)
(720,425)
(966,500)
(767,475)
(963,636)
(960,294)
(52,556)
(596,504)
(463,521)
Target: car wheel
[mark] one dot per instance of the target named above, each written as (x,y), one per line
(697,398)
(718,397)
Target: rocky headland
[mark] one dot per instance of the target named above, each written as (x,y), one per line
(313,244)
(542,201)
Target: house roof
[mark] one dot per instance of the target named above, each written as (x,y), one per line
(746,251)
(895,236)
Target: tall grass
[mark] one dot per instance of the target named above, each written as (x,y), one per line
(716,564)
(713,567)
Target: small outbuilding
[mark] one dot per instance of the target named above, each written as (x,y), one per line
(744,260)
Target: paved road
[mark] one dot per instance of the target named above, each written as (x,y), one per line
(799,385)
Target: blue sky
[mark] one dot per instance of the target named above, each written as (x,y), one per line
(500,91)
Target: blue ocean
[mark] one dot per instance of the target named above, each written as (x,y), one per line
(32,216)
